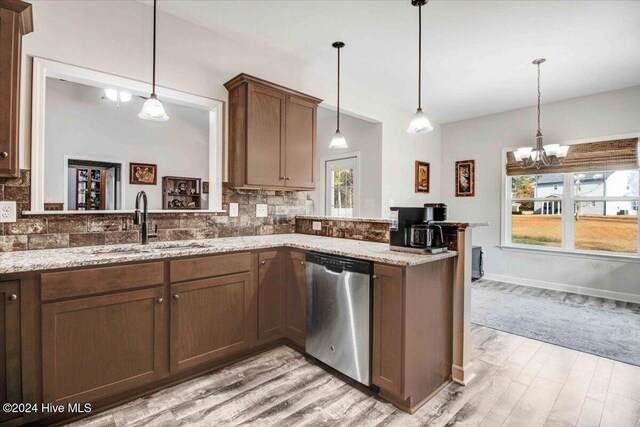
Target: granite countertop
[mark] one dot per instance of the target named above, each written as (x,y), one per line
(49,259)
(450,223)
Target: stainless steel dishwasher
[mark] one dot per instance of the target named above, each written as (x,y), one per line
(338,330)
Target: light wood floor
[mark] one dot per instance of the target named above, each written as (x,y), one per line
(520,382)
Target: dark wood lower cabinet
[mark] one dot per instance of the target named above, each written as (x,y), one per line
(10,374)
(103,335)
(295,300)
(387,328)
(412,331)
(271,289)
(211,318)
(98,346)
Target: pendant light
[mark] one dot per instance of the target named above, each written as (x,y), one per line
(419,122)
(540,156)
(338,140)
(152,108)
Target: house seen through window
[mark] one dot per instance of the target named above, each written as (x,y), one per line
(587,211)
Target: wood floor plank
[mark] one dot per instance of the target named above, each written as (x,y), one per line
(568,406)
(600,381)
(505,404)
(620,411)
(519,382)
(625,380)
(536,403)
(591,413)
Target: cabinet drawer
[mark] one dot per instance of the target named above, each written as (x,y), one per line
(209,266)
(75,283)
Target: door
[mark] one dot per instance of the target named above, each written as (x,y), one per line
(96,347)
(265,137)
(387,358)
(341,186)
(300,145)
(295,297)
(270,295)
(210,318)
(10,385)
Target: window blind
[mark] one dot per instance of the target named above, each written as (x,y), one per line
(618,154)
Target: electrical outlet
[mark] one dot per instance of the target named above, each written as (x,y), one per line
(233,210)
(317,226)
(262,210)
(8,211)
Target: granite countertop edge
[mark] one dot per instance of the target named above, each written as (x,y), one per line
(53,259)
(451,223)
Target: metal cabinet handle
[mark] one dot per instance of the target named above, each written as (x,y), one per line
(282,178)
(263,262)
(176,297)
(288,178)
(301,262)
(13,297)
(160,300)
(4,154)
(374,277)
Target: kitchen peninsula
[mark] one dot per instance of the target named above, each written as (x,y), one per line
(202,304)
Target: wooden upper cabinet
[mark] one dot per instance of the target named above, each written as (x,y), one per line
(10,384)
(15,21)
(272,135)
(265,137)
(300,149)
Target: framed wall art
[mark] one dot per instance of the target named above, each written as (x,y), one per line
(143,174)
(422,177)
(466,178)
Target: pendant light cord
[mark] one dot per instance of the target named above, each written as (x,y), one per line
(338,116)
(538,97)
(153,90)
(419,55)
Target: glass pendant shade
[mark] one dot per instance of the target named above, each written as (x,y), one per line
(338,141)
(420,123)
(153,110)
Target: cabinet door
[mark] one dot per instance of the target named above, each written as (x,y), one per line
(10,385)
(388,350)
(210,318)
(265,137)
(270,295)
(295,297)
(10,41)
(99,346)
(300,144)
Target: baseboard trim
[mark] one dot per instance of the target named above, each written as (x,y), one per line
(582,290)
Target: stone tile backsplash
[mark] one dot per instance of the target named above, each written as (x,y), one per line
(343,228)
(61,231)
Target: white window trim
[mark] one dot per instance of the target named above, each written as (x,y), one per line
(323,180)
(567,200)
(43,68)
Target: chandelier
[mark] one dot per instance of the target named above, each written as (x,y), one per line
(540,156)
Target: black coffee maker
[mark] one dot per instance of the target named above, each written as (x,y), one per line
(414,229)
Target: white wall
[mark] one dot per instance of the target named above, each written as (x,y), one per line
(482,139)
(79,124)
(117,40)
(364,137)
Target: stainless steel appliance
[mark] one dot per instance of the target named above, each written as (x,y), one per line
(338,327)
(414,229)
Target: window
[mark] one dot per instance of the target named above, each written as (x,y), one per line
(595,211)
(341,181)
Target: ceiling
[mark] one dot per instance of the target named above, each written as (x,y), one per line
(476,54)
